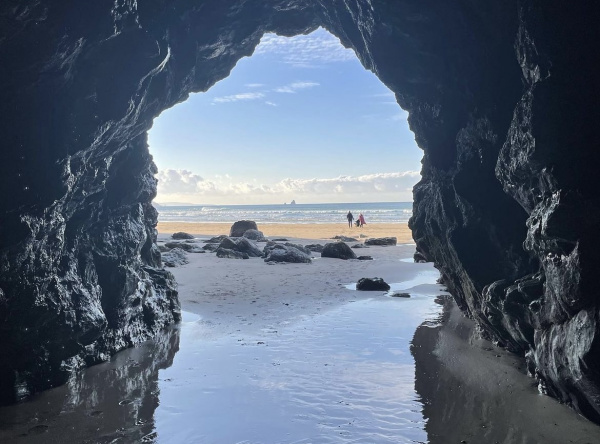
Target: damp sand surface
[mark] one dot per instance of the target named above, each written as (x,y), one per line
(287,353)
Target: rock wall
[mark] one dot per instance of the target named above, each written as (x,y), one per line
(502,98)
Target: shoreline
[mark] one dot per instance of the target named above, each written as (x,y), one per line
(299,231)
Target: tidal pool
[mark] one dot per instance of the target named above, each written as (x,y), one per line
(376,370)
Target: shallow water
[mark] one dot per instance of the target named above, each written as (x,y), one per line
(343,376)
(378,370)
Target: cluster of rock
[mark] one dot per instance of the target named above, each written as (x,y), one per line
(242,244)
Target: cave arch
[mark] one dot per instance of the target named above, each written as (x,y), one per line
(493,96)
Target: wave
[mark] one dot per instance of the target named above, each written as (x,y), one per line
(384,212)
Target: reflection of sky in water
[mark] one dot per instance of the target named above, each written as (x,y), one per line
(343,376)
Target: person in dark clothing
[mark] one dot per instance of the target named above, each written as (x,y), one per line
(350,218)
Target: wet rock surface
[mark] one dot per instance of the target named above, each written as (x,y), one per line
(338,250)
(382,241)
(501,98)
(372,284)
(287,253)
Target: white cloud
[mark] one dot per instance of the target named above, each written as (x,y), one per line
(296,86)
(306,51)
(271,103)
(183,185)
(238,97)
(254,85)
(178,182)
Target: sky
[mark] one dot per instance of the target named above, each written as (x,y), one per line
(300,119)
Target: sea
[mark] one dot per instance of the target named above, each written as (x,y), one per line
(321,213)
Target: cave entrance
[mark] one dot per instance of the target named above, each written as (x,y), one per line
(300,121)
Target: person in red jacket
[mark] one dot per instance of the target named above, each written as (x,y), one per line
(361,219)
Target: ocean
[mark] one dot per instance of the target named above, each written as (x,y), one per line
(374,212)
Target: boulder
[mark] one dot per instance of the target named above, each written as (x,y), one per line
(317,248)
(216,239)
(241,226)
(280,239)
(382,241)
(302,248)
(181,235)
(254,235)
(174,258)
(338,250)
(231,254)
(365,258)
(210,247)
(359,246)
(345,238)
(399,294)
(286,253)
(372,284)
(242,245)
(186,247)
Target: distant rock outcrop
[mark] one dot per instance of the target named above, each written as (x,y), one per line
(338,250)
(241,226)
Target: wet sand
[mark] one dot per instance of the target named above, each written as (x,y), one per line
(306,231)
(289,353)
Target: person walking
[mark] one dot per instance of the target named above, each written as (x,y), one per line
(361,219)
(350,218)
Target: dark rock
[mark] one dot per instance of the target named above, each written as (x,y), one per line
(231,254)
(175,258)
(365,258)
(372,284)
(181,245)
(210,247)
(163,248)
(419,258)
(382,241)
(216,239)
(345,238)
(359,246)
(181,235)
(338,250)
(500,97)
(280,239)
(317,248)
(286,253)
(400,294)
(242,245)
(254,235)
(241,226)
(302,248)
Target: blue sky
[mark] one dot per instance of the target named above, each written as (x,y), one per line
(301,119)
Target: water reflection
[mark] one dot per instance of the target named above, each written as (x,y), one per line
(473,392)
(113,402)
(344,376)
(381,370)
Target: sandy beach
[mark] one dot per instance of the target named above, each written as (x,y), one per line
(303,231)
